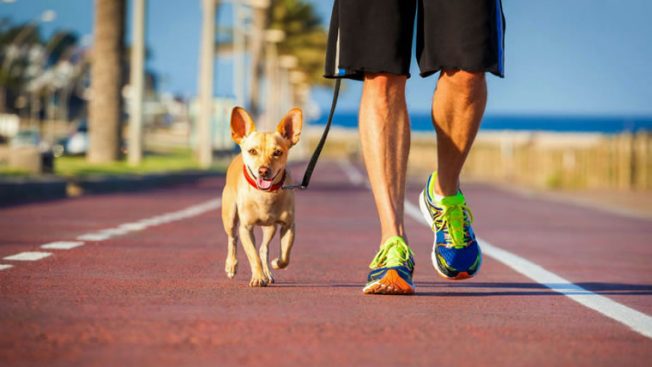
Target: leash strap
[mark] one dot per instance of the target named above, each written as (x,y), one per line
(315,155)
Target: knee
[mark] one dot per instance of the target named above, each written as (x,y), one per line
(464,79)
(385,83)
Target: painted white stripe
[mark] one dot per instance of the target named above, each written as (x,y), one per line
(142,224)
(132,227)
(351,172)
(635,320)
(62,245)
(120,230)
(28,256)
(413,211)
(93,237)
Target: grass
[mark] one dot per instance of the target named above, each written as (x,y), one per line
(13,172)
(178,160)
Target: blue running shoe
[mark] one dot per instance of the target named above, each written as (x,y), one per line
(456,254)
(392,269)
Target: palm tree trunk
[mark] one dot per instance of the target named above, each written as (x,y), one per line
(106,81)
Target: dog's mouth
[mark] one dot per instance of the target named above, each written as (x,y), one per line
(266,182)
(263,183)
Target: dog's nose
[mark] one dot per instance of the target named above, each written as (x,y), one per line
(263,171)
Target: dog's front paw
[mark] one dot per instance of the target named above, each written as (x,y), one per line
(270,278)
(231,268)
(258,282)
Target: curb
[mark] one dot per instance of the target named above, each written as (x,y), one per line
(15,191)
(25,190)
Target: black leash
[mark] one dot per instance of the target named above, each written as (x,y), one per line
(320,146)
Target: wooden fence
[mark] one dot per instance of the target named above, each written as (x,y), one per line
(543,160)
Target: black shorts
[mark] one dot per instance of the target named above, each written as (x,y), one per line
(373,36)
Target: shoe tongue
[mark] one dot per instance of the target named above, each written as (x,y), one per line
(263,184)
(395,255)
(452,200)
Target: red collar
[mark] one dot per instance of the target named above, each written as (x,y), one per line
(252,182)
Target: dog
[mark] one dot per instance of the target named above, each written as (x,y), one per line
(253,194)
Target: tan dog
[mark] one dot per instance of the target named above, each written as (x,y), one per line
(253,195)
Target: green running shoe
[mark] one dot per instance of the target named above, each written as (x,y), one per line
(392,269)
(455,254)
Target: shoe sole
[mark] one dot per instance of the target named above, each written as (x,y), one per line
(391,283)
(433,255)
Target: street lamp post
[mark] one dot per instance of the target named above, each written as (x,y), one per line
(206,74)
(137,84)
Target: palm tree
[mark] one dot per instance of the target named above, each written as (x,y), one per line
(305,36)
(106,81)
(16,44)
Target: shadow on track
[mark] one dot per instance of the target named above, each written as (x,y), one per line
(448,289)
(531,289)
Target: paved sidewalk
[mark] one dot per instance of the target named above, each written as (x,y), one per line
(153,292)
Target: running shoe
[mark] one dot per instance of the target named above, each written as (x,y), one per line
(391,269)
(455,254)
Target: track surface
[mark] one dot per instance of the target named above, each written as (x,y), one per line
(160,297)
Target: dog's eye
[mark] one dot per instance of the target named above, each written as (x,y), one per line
(253,151)
(277,153)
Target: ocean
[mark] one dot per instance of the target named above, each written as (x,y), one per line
(585,124)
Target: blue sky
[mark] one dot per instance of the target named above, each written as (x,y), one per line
(585,57)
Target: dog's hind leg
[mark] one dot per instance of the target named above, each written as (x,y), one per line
(268,234)
(287,240)
(230,221)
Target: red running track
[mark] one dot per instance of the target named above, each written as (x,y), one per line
(159,296)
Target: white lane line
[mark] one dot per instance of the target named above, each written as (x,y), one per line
(142,224)
(120,230)
(352,172)
(28,256)
(93,237)
(635,320)
(62,245)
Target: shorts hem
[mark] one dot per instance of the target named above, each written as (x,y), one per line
(358,73)
(426,72)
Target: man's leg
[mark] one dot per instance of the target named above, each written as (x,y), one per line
(457,108)
(463,35)
(385,137)
(458,105)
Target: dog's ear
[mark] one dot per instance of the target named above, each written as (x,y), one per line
(241,124)
(290,126)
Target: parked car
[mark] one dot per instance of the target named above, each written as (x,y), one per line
(77,143)
(73,144)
